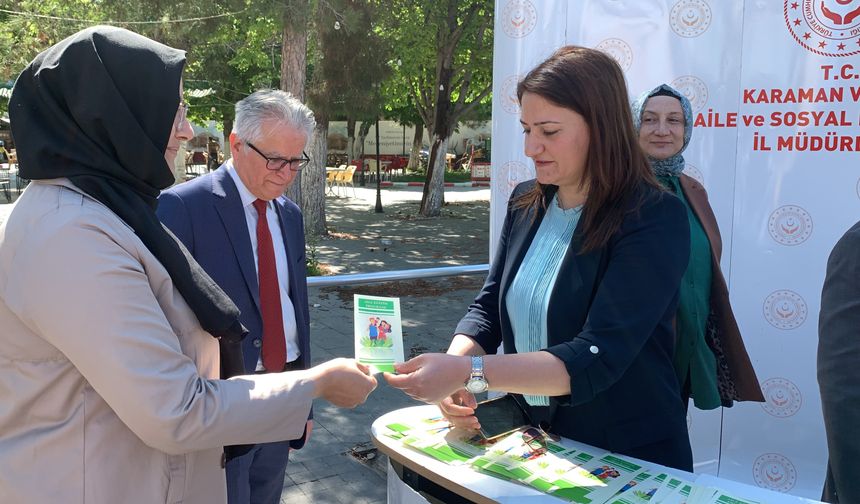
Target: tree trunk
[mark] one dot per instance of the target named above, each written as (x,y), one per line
(448,36)
(350,135)
(294,54)
(293,67)
(363,130)
(415,153)
(434,186)
(228,128)
(313,182)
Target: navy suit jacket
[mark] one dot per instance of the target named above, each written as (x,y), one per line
(610,320)
(206,214)
(838,372)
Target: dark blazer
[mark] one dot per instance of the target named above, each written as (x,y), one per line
(838,369)
(736,377)
(206,214)
(610,321)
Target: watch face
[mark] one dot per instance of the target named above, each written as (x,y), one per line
(476,385)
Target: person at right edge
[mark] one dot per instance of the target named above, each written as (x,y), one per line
(838,370)
(710,359)
(584,284)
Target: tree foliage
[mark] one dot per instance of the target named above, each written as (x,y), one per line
(445,49)
(233,48)
(427,64)
(351,64)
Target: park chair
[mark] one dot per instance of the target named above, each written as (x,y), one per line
(370,166)
(396,167)
(13,172)
(331,178)
(347,177)
(196,164)
(5,183)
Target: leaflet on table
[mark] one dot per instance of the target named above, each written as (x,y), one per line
(680,495)
(640,490)
(553,465)
(566,478)
(566,473)
(505,457)
(723,498)
(452,447)
(513,459)
(701,494)
(709,495)
(436,438)
(431,425)
(691,493)
(378,333)
(753,493)
(573,475)
(614,471)
(511,451)
(668,487)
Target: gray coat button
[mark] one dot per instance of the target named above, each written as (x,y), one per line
(593,349)
(258,343)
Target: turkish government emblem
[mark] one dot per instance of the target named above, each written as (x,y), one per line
(825,27)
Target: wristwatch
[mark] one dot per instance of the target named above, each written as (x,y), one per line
(476,382)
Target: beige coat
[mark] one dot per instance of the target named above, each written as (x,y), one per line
(108,389)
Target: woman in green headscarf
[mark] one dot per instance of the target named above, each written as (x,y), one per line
(710,359)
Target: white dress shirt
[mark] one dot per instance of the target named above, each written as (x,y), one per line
(289,313)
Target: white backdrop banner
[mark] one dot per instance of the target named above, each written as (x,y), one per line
(775,88)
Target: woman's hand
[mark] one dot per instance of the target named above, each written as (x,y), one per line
(459,410)
(343,382)
(431,377)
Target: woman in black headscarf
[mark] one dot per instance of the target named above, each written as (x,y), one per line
(109,354)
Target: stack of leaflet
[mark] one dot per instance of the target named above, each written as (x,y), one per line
(566,473)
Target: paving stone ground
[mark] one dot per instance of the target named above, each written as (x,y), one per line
(328,469)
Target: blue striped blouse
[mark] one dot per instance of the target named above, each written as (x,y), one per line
(527,300)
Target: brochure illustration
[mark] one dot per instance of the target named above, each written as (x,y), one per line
(378,333)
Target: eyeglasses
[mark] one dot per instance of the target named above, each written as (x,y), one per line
(277,164)
(183,114)
(536,439)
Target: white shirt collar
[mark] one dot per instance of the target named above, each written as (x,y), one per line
(244,194)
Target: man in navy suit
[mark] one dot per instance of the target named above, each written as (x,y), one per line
(241,229)
(838,373)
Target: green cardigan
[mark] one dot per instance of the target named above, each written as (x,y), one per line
(695,364)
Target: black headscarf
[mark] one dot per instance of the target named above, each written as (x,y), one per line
(98,109)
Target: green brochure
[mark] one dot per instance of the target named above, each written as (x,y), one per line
(378,333)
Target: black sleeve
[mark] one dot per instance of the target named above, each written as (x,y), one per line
(646,259)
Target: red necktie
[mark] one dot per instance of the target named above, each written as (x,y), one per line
(274,343)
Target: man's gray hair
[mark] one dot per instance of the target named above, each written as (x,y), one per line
(271,105)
